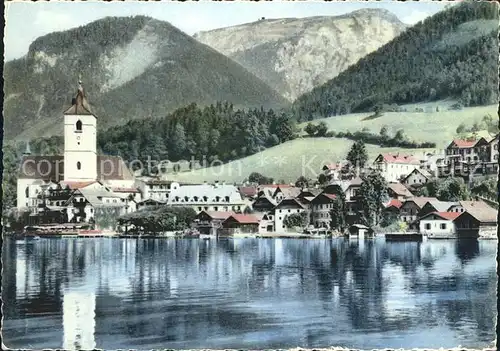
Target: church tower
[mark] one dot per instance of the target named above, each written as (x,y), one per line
(80,143)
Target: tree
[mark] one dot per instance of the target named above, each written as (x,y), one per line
(400,137)
(373,194)
(321,129)
(302,182)
(384,135)
(300,219)
(338,215)
(357,155)
(258,178)
(461,129)
(322,179)
(453,189)
(310,129)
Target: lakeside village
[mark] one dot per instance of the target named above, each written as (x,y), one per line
(85,194)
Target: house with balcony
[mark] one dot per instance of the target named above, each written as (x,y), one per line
(394,167)
(320,207)
(477,220)
(209,222)
(408,212)
(463,157)
(155,189)
(86,205)
(240,224)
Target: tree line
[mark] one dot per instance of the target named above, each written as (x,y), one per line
(417,66)
(216,132)
(383,139)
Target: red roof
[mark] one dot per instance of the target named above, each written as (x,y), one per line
(244,219)
(274,186)
(446,215)
(219,214)
(330,196)
(125,190)
(464,143)
(394,202)
(390,158)
(78,185)
(249,191)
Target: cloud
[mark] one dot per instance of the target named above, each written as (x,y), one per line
(415,16)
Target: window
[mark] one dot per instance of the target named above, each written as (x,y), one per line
(427,226)
(78,165)
(216,208)
(78,126)
(227,198)
(443,226)
(495,157)
(27,191)
(495,147)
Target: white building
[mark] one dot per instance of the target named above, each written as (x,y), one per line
(417,178)
(79,164)
(80,140)
(207,197)
(156,189)
(85,203)
(437,224)
(285,208)
(395,167)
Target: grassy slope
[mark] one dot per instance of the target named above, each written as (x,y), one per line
(296,155)
(438,127)
(287,161)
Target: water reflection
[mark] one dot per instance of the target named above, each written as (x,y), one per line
(248,293)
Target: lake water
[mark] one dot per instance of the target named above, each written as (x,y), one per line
(248,293)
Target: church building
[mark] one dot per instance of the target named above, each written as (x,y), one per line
(79,167)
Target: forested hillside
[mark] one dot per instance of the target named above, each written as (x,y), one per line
(218,132)
(131,67)
(453,54)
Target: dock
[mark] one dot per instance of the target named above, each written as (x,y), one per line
(404,236)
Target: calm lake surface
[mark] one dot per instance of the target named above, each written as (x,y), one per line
(248,293)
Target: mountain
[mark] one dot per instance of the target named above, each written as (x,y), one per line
(131,67)
(293,55)
(451,55)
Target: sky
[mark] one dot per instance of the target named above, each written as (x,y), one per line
(26,21)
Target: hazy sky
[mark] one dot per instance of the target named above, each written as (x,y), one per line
(25,21)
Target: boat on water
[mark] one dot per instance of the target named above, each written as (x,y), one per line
(206,236)
(191,234)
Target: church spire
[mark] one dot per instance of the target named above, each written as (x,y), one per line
(80,105)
